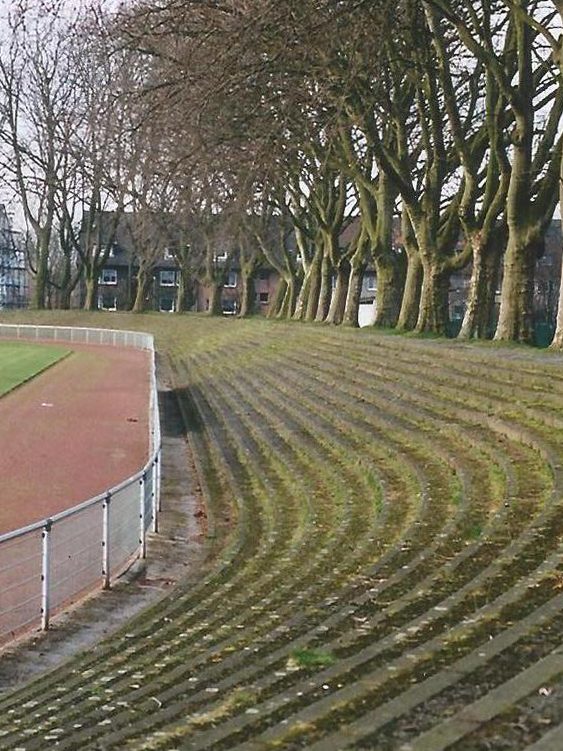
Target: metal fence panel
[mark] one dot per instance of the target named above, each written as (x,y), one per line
(76,555)
(149,489)
(112,337)
(124,526)
(20,583)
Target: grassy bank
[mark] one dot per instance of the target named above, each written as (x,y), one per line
(388,517)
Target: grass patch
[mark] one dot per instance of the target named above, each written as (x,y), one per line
(20,362)
(312,658)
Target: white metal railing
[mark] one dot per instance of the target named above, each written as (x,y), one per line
(51,563)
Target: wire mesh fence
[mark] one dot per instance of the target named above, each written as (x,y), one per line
(52,563)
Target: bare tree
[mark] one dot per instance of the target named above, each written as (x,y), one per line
(526,77)
(37,86)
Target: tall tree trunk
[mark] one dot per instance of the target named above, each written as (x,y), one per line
(277,302)
(64,299)
(248,293)
(325,291)
(302,298)
(66,285)
(516,316)
(352,307)
(478,319)
(557,342)
(433,314)
(314,285)
(338,302)
(516,303)
(215,291)
(39,299)
(309,288)
(140,302)
(390,283)
(91,299)
(182,291)
(288,303)
(410,304)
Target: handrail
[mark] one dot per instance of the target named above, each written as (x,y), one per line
(123,522)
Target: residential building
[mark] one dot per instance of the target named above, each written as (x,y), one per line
(266,280)
(14,290)
(117,283)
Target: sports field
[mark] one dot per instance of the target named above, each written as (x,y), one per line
(19,362)
(78,429)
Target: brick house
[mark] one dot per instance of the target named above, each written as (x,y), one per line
(117,284)
(117,281)
(266,281)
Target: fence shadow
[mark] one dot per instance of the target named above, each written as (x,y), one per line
(178,413)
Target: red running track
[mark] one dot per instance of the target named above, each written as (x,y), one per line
(73,432)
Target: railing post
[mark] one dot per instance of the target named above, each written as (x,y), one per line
(106,562)
(159,479)
(45,573)
(154,498)
(142,535)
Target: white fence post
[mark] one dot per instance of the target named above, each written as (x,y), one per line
(142,535)
(159,479)
(45,573)
(154,498)
(106,562)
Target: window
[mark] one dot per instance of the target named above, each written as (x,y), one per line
(263,298)
(264,274)
(167,304)
(371,284)
(103,249)
(108,276)
(168,278)
(107,302)
(231,280)
(229,307)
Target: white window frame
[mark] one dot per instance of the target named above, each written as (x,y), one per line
(101,303)
(168,254)
(173,283)
(231,284)
(163,310)
(371,283)
(108,282)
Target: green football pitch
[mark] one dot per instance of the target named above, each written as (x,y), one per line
(20,361)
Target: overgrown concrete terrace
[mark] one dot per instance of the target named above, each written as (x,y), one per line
(382,562)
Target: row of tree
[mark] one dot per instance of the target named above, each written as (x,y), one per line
(301,133)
